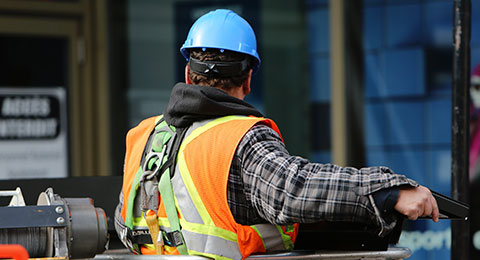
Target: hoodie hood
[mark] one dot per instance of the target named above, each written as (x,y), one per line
(191,103)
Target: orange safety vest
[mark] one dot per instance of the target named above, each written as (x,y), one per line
(200,190)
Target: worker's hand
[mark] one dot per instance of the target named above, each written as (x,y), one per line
(417,202)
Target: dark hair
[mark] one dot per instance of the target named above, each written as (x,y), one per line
(217,55)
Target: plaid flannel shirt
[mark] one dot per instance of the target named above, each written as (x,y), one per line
(268,185)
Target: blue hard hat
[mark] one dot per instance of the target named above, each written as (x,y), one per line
(225,30)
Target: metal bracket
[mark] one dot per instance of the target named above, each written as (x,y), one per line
(33,216)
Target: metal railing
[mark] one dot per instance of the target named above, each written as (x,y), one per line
(392,253)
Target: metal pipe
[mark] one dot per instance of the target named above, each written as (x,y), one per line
(460,123)
(346,84)
(338,83)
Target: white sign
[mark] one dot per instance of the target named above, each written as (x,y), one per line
(33,133)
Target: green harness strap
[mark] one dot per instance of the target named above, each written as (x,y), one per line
(166,192)
(166,166)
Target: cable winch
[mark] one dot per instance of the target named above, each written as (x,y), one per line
(55,227)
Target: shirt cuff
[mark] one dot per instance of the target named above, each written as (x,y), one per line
(385,199)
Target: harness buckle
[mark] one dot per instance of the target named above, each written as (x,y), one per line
(174,238)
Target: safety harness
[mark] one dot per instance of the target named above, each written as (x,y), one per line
(158,163)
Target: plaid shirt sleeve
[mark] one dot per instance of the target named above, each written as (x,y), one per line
(285,189)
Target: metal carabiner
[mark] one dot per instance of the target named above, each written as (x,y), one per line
(149,174)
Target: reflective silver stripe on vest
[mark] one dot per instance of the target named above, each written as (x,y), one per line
(271,237)
(186,206)
(211,245)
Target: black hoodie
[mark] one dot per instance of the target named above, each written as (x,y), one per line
(191,103)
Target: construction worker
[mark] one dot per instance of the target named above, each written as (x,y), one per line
(212,177)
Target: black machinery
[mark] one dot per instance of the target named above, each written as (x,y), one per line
(348,236)
(55,227)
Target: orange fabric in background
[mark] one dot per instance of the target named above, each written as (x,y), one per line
(13,251)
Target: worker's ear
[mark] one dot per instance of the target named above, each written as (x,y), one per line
(246,83)
(187,79)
